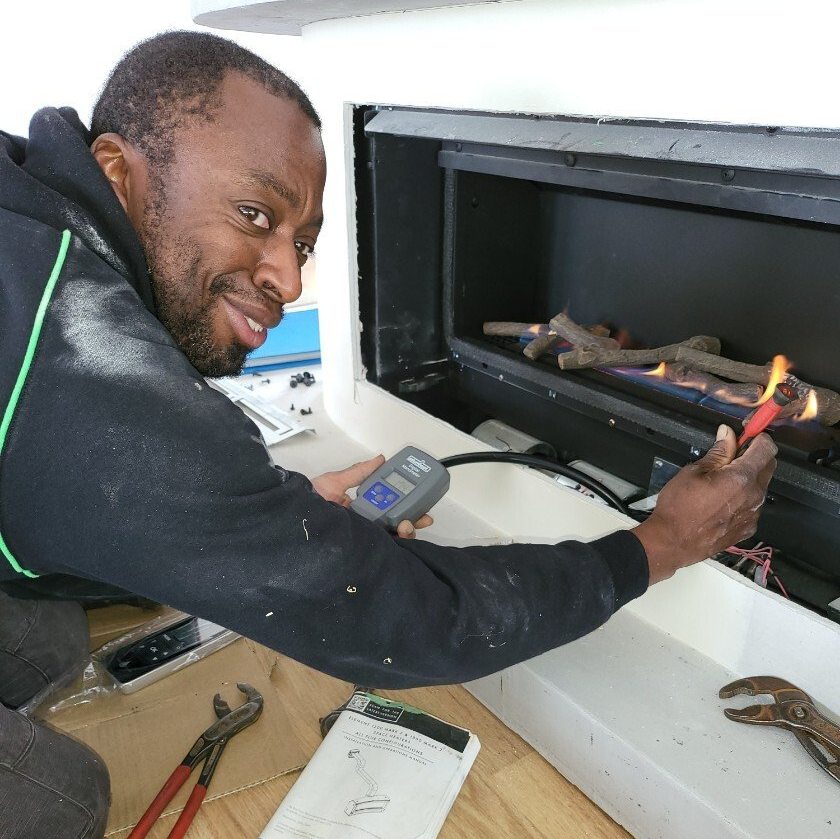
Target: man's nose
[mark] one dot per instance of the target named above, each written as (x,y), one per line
(278,270)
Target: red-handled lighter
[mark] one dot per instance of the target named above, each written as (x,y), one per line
(783,395)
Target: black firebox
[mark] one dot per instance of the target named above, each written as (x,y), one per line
(663,230)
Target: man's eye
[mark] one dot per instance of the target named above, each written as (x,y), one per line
(305,249)
(255,216)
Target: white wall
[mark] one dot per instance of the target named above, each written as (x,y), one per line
(58,52)
(758,61)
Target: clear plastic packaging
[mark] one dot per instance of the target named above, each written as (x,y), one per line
(146,654)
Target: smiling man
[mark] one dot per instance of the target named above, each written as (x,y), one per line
(226,219)
(138,258)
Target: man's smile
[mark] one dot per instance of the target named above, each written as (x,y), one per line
(250,323)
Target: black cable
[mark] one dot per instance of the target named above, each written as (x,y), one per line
(537,462)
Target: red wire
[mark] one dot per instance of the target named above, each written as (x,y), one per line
(762,555)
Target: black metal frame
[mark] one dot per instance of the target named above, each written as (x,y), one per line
(412,270)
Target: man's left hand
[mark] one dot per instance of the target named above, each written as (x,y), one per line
(333,487)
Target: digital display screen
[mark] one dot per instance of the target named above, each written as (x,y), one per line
(399,483)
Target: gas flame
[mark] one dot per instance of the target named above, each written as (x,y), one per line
(658,373)
(811,410)
(778,374)
(538,329)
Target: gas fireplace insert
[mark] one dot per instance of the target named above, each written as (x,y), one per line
(686,257)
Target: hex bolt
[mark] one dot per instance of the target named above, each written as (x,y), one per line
(611,423)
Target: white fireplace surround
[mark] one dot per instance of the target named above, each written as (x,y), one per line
(630,713)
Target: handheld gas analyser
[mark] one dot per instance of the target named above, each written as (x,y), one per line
(404,487)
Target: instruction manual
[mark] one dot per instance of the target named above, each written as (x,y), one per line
(384,771)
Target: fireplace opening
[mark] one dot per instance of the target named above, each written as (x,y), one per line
(648,234)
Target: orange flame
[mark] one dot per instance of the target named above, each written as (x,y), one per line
(659,373)
(811,410)
(538,329)
(777,375)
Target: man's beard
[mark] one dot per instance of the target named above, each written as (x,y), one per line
(192,328)
(173,267)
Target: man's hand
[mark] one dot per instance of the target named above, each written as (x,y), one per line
(709,506)
(334,485)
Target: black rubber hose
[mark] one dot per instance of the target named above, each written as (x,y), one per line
(537,462)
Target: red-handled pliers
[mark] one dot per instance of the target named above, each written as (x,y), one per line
(208,747)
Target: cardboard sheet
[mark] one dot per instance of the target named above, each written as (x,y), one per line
(112,621)
(143,736)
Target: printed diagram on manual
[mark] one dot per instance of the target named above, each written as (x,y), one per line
(371,802)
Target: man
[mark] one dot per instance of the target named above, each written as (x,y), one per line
(191,206)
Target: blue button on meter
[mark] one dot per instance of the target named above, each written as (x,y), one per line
(403,488)
(380,501)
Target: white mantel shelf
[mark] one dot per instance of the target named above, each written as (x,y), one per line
(288,17)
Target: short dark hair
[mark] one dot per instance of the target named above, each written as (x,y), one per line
(172,80)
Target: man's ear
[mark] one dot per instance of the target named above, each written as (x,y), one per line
(117,160)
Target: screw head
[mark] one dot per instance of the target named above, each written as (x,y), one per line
(611,422)
(570,159)
(727,175)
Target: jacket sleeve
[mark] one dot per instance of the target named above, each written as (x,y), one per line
(125,467)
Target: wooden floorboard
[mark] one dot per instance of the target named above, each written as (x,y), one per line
(511,790)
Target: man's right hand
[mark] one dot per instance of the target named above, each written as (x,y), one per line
(709,505)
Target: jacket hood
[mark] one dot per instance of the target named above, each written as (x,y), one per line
(53,178)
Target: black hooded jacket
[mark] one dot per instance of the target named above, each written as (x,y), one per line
(119,464)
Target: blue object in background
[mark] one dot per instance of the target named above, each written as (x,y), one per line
(296,339)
